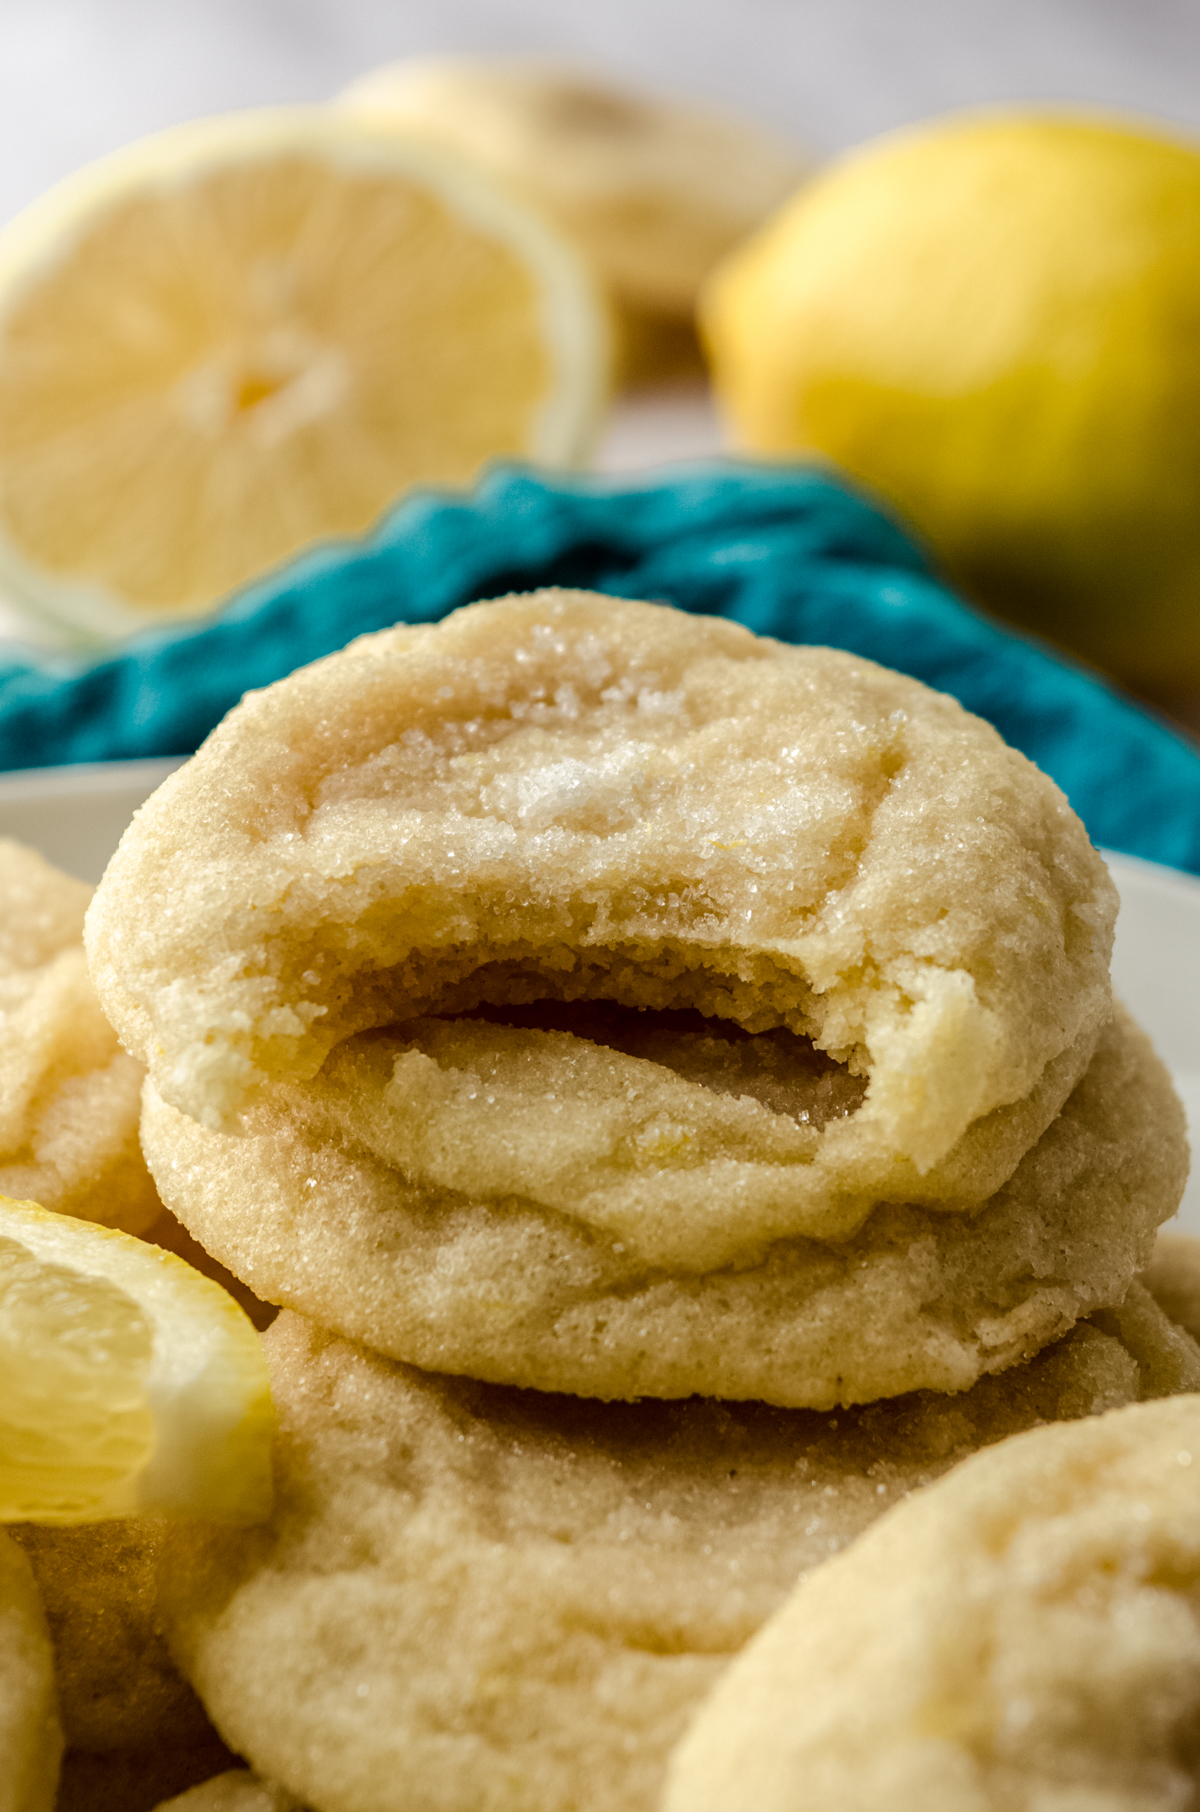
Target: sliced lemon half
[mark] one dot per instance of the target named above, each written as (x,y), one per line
(254,332)
(129,1383)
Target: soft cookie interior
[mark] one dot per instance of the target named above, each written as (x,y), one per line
(565,798)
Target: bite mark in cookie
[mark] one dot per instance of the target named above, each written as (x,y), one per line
(569,798)
(422,1233)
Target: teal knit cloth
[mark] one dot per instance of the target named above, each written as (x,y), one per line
(786,550)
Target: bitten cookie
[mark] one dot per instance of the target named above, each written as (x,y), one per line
(1025,1632)
(69,1096)
(314,1206)
(471,1596)
(562,798)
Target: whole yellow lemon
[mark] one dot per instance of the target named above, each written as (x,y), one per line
(994,322)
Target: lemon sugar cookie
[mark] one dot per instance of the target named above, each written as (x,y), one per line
(473,1596)
(652,192)
(1023,1633)
(69,1096)
(314,1204)
(563,797)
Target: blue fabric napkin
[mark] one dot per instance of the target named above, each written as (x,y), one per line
(786,550)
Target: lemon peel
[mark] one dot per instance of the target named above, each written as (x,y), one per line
(990,320)
(129,1383)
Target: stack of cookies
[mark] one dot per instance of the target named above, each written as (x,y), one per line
(671,1080)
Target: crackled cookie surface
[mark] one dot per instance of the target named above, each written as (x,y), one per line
(69,1096)
(473,1596)
(564,798)
(30,1736)
(315,1206)
(1025,1633)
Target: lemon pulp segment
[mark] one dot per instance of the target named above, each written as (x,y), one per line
(226,351)
(74,1353)
(128,1382)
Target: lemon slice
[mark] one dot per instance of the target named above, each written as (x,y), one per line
(254,332)
(128,1382)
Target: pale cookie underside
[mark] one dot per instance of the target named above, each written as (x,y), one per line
(566,797)
(473,1596)
(1023,1633)
(308,1213)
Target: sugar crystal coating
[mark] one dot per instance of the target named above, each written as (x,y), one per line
(472,1596)
(69,1096)
(572,798)
(1023,1633)
(315,1205)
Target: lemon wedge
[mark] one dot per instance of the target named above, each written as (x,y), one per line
(254,332)
(129,1383)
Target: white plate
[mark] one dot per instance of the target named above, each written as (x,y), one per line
(75,816)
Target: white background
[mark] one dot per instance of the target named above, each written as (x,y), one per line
(80,77)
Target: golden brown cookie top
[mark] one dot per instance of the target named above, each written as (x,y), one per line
(563,796)
(1022,1633)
